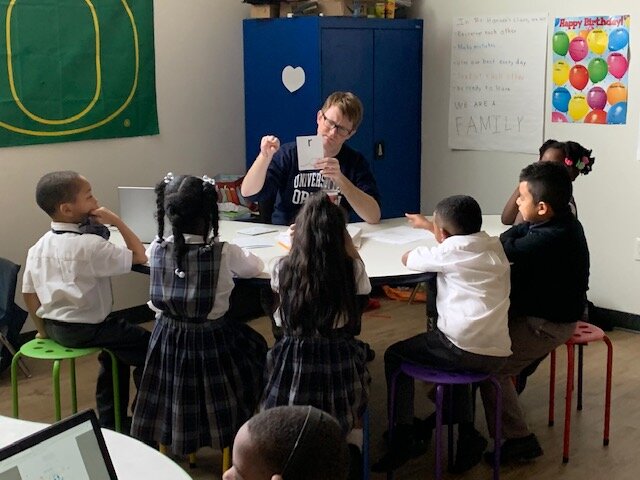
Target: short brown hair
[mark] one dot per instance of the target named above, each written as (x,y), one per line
(349,105)
(56,188)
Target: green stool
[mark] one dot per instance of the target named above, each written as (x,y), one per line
(47,349)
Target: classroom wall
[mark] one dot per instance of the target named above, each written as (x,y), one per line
(199,79)
(607,198)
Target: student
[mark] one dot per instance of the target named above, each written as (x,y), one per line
(203,374)
(471,333)
(275,174)
(576,158)
(290,443)
(321,287)
(549,279)
(67,287)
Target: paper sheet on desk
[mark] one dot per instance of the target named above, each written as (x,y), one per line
(398,235)
(253,241)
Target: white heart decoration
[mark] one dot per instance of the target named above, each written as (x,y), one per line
(293,78)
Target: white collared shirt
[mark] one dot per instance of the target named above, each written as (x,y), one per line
(234,262)
(70,273)
(473,291)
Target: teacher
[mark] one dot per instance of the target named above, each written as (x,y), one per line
(275,173)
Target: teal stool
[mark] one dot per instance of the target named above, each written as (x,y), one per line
(47,349)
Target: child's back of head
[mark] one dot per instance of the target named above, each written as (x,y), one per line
(56,188)
(550,183)
(459,215)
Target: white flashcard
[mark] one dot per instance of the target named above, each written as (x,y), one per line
(310,150)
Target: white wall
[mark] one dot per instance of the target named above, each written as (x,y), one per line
(607,198)
(200,93)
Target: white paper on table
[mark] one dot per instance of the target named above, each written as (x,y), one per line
(256,230)
(398,235)
(310,150)
(250,241)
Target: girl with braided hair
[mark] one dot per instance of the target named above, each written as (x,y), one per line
(203,373)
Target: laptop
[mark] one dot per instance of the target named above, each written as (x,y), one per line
(72,449)
(138,210)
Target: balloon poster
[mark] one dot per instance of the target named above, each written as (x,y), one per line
(76,70)
(590,70)
(496,97)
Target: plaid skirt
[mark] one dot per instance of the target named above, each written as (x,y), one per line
(201,381)
(328,373)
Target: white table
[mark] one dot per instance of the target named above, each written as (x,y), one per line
(132,460)
(382,260)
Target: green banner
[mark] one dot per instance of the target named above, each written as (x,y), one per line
(76,70)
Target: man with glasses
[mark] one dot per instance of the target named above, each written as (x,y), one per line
(275,173)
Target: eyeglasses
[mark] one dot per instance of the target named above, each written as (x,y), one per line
(340,130)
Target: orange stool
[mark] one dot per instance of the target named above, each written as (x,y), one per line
(583,335)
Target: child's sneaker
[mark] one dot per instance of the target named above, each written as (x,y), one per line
(517,450)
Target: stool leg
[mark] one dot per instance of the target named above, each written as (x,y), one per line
(552,387)
(449,389)
(72,376)
(14,383)
(568,398)
(116,390)
(497,439)
(226,459)
(439,398)
(607,400)
(365,445)
(392,412)
(56,389)
(580,360)
(163,449)
(192,461)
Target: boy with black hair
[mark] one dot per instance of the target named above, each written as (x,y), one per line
(290,442)
(549,280)
(67,287)
(471,333)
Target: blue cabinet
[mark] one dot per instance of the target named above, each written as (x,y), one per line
(379,60)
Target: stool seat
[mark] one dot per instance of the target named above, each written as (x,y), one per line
(48,349)
(432,375)
(585,333)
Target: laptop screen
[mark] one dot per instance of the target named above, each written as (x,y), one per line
(72,449)
(138,210)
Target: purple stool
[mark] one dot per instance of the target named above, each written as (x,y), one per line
(441,379)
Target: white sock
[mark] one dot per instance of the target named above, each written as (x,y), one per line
(356,437)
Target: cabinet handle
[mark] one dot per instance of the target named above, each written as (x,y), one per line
(379,150)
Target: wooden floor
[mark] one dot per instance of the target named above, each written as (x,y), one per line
(397,320)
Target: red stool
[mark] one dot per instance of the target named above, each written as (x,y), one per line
(583,335)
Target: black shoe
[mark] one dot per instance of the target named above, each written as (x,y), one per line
(355,463)
(517,450)
(370,352)
(469,450)
(404,447)
(422,430)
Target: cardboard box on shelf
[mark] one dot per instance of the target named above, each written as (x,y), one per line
(264,11)
(329,8)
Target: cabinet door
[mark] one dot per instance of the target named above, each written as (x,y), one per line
(270,108)
(397,120)
(347,65)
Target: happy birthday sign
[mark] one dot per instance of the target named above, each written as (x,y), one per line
(590,69)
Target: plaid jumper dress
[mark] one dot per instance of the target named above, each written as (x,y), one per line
(202,378)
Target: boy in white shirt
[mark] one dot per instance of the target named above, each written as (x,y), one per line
(67,288)
(473,287)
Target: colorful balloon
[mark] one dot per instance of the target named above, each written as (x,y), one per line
(597,69)
(618,64)
(597,98)
(560,72)
(571,34)
(616,93)
(578,77)
(618,39)
(560,43)
(597,39)
(578,49)
(596,116)
(584,33)
(578,107)
(617,114)
(560,99)
(558,117)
